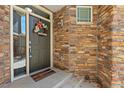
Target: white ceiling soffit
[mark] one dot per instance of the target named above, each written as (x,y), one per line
(54,8)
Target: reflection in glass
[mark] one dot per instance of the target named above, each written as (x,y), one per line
(19,43)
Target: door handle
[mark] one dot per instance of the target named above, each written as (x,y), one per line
(30,54)
(30,49)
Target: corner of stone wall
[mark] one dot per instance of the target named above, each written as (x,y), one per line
(75,45)
(61,38)
(105,20)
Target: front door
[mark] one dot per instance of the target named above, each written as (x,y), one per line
(39,52)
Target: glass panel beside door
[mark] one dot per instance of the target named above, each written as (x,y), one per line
(19,43)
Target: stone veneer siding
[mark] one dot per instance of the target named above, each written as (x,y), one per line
(82,45)
(75,44)
(4,44)
(105,19)
(61,39)
(118,47)
(111,46)
(96,49)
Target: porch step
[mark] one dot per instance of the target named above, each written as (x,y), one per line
(63,81)
(74,82)
(87,85)
(60,79)
(71,82)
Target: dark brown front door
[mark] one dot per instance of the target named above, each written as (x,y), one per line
(40,47)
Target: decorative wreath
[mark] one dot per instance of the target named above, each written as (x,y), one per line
(40,28)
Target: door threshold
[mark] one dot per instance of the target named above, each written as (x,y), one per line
(19,77)
(39,70)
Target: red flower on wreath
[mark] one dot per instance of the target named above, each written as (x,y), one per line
(40,25)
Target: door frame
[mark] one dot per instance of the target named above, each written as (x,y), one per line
(27,37)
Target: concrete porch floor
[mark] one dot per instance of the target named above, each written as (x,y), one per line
(61,79)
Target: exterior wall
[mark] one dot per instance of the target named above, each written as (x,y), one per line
(118,47)
(75,44)
(4,44)
(83,45)
(61,39)
(105,19)
(111,46)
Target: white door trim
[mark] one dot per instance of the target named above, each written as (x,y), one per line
(27,38)
(51,38)
(11,42)
(27,43)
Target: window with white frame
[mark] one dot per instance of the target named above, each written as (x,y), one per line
(84,14)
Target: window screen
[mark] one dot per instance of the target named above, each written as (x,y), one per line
(84,14)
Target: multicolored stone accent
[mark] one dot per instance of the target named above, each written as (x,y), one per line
(61,38)
(105,19)
(95,49)
(4,44)
(75,44)
(118,47)
(83,45)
